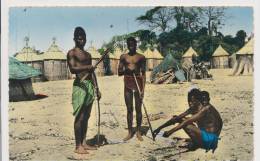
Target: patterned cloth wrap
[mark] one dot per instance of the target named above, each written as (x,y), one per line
(82,95)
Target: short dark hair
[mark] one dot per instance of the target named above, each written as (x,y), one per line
(79,31)
(196,93)
(205,95)
(131,39)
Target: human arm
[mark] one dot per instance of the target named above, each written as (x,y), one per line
(186,122)
(172,121)
(143,73)
(74,68)
(121,70)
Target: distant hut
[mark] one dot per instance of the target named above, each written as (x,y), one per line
(95,55)
(149,55)
(232,60)
(114,60)
(55,63)
(189,54)
(220,58)
(158,58)
(20,84)
(32,58)
(244,59)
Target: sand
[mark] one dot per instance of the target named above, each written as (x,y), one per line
(43,129)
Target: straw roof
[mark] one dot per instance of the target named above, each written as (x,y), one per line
(148,54)
(111,55)
(220,52)
(189,53)
(157,54)
(28,54)
(94,53)
(247,49)
(54,53)
(138,50)
(18,70)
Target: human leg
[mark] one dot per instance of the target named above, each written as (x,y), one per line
(129,105)
(138,109)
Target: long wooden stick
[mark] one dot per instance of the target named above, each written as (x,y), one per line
(99,115)
(146,113)
(96,64)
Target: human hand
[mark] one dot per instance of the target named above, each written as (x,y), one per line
(91,68)
(155,132)
(166,134)
(142,95)
(99,95)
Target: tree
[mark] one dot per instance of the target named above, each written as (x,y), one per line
(157,18)
(240,38)
(214,17)
(146,37)
(188,17)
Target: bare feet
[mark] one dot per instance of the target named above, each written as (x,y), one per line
(80,150)
(89,147)
(128,137)
(139,136)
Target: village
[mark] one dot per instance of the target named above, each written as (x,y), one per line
(40,90)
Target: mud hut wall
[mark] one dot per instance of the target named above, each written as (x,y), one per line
(20,90)
(100,68)
(156,62)
(114,66)
(149,64)
(220,62)
(49,69)
(187,59)
(39,66)
(56,70)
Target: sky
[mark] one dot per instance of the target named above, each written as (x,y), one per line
(41,24)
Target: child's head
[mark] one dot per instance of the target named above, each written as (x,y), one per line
(194,97)
(205,98)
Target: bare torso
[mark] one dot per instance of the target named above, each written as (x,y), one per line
(132,63)
(211,120)
(78,58)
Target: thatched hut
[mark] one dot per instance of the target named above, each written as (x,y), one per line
(189,54)
(158,58)
(220,58)
(55,64)
(244,59)
(114,60)
(232,60)
(32,58)
(20,84)
(95,55)
(149,55)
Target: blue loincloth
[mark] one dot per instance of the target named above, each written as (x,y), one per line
(209,140)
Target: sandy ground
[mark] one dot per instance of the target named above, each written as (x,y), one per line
(43,129)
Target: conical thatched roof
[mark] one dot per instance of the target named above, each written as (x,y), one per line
(54,53)
(189,53)
(148,54)
(157,54)
(94,53)
(220,52)
(28,54)
(247,49)
(139,51)
(18,70)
